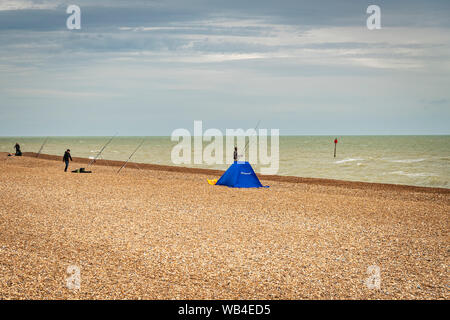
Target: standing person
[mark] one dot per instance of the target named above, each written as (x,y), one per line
(235,154)
(66,158)
(18,152)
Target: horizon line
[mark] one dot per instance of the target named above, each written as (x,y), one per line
(281,135)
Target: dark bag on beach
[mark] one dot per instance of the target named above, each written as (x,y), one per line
(81,170)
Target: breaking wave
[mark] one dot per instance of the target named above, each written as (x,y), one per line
(348,160)
(407,160)
(420,174)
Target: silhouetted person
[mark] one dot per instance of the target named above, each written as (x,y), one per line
(18,152)
(66,158)
(235,154)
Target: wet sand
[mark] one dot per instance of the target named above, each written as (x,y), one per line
(164,233)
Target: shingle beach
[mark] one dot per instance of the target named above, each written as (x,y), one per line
(159,234)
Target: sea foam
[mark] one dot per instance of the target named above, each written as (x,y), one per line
(348,160)
(407,160)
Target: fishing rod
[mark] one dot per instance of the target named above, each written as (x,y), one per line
(140,145)
(246,145)
(100,152)
(42,147)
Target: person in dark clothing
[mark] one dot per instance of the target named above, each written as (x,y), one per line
(66,158)
(18,152)
(235,155)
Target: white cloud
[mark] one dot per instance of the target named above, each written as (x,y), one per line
(390,48)
(27,4)
(57,93)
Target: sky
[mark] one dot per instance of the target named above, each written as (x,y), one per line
(149,67)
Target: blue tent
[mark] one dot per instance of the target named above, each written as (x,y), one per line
(240,175)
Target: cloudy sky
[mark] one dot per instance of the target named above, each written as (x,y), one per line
(148,67)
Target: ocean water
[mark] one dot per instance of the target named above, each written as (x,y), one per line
(409,160)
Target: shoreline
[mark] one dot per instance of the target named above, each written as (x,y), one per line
(276,178)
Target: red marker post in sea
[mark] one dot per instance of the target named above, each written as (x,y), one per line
(335,144)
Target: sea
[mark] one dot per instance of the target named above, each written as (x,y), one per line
(406,160)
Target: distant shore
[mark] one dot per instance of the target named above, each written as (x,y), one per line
(279,178)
